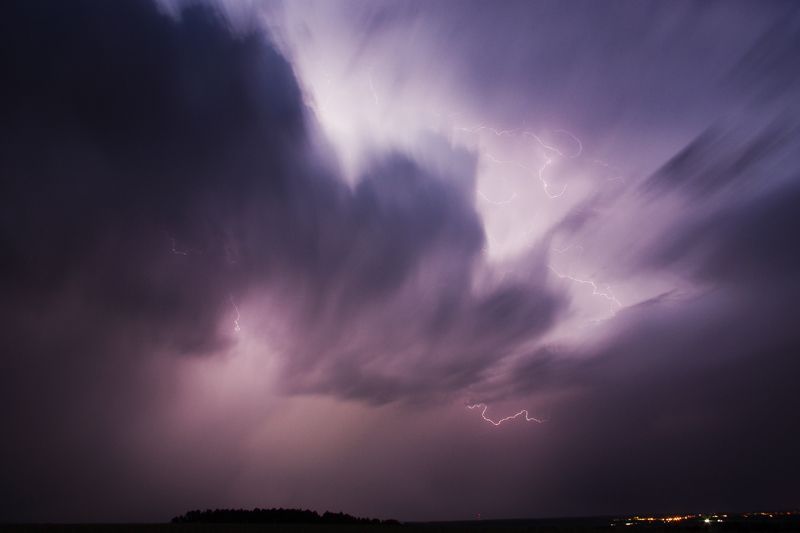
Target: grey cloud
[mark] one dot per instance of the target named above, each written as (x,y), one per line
(718,158)
(685,392)
(745,245)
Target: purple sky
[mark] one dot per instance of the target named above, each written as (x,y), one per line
(266,254)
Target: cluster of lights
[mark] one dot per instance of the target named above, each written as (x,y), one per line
(707,519)
(770,514)
(703,518)
(662,519)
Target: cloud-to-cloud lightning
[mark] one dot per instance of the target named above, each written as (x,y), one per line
(523,413)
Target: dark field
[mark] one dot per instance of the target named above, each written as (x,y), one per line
(573,525)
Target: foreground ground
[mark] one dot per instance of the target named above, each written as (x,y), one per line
(476,527)
(507,526)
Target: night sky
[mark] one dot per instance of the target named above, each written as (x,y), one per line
(270,254)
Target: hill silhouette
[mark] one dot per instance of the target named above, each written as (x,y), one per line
(273,516)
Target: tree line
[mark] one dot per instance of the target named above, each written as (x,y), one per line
(272,516)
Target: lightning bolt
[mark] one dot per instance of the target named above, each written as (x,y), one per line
(236,326)
(616,177)
(524,413)
(174,248)
(549,153)
(606,293)
(548,160)
(567,248)
(229,257)
(495,131)
(498,202)
(373,91)
(553,149)
(494,159)
(545,185)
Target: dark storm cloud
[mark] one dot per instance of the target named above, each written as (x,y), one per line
(447,346)
(156,170)
(172,170)
(153,171)
(689,406)
(765,72)
(121,130)
(690,389)
(745,245)
(686,400)
(743,193)
(717,159)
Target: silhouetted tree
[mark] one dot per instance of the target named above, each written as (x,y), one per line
(272,516)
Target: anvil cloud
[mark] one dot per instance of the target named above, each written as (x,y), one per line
(263,254)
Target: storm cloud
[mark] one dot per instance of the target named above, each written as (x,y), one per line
(246,241)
